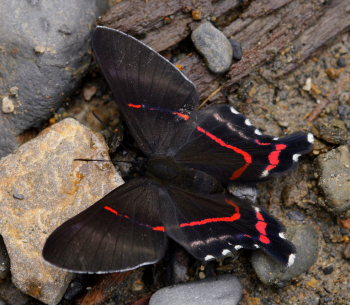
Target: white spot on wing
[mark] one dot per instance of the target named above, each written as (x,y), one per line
(233,110)
(281,234)
(275,138)
(296,157)
(256,246)
(226,252)
(257,209)
(209,257)
(265,173)
(310,138)
(237,247)
(247,122)
(258,132)
(291,260)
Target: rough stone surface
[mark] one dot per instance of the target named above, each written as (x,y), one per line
(214,46)
(44,51)
(54,188)
(305,239)
(223,290)
(334,170)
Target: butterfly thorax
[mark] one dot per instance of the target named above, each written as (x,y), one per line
(166,171)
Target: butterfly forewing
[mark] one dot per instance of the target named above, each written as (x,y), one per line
(120,232)
(147,88)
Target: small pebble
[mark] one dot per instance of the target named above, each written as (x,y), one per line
(244,192)
(341,62)
(308,84)
(328,270)
(237,49)
(40,49)
(214,46)
(347,251)
(7,105)
(89,92)
(305,239)
(221,290)
(197,15)
(18,196)
(14,91)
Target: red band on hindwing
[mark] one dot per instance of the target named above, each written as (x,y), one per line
(246,156)
(261,227)
(235,216)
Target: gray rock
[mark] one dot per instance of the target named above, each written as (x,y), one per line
(4,260)
(55,188)
(222,290)
(214,46)
(245,192)
(44,51)
(334,172)
(305,239)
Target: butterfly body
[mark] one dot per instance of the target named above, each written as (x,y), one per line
(190,156)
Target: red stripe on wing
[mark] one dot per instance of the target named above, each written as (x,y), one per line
(235,216)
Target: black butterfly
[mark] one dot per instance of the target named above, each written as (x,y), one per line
(191,154)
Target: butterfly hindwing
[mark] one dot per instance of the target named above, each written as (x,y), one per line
(213,225)
(119,232)
(147,88)
(224,144)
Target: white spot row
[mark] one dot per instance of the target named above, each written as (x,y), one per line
(209,257)
(233,110)
(291,260)
(310,138)
(258,132)
(281,234)
(296,157)
(265,173)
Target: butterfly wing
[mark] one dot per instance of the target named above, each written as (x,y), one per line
(151,92)
(121,231)
(224,144)
(214,225)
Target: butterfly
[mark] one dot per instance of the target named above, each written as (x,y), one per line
(191,156)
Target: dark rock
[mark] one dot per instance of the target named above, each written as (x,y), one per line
(4,260)
(214,46)
(305,239)
(222,290)
(44,63)
(328,270)
(341,62)
(237,51)
(334,178)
